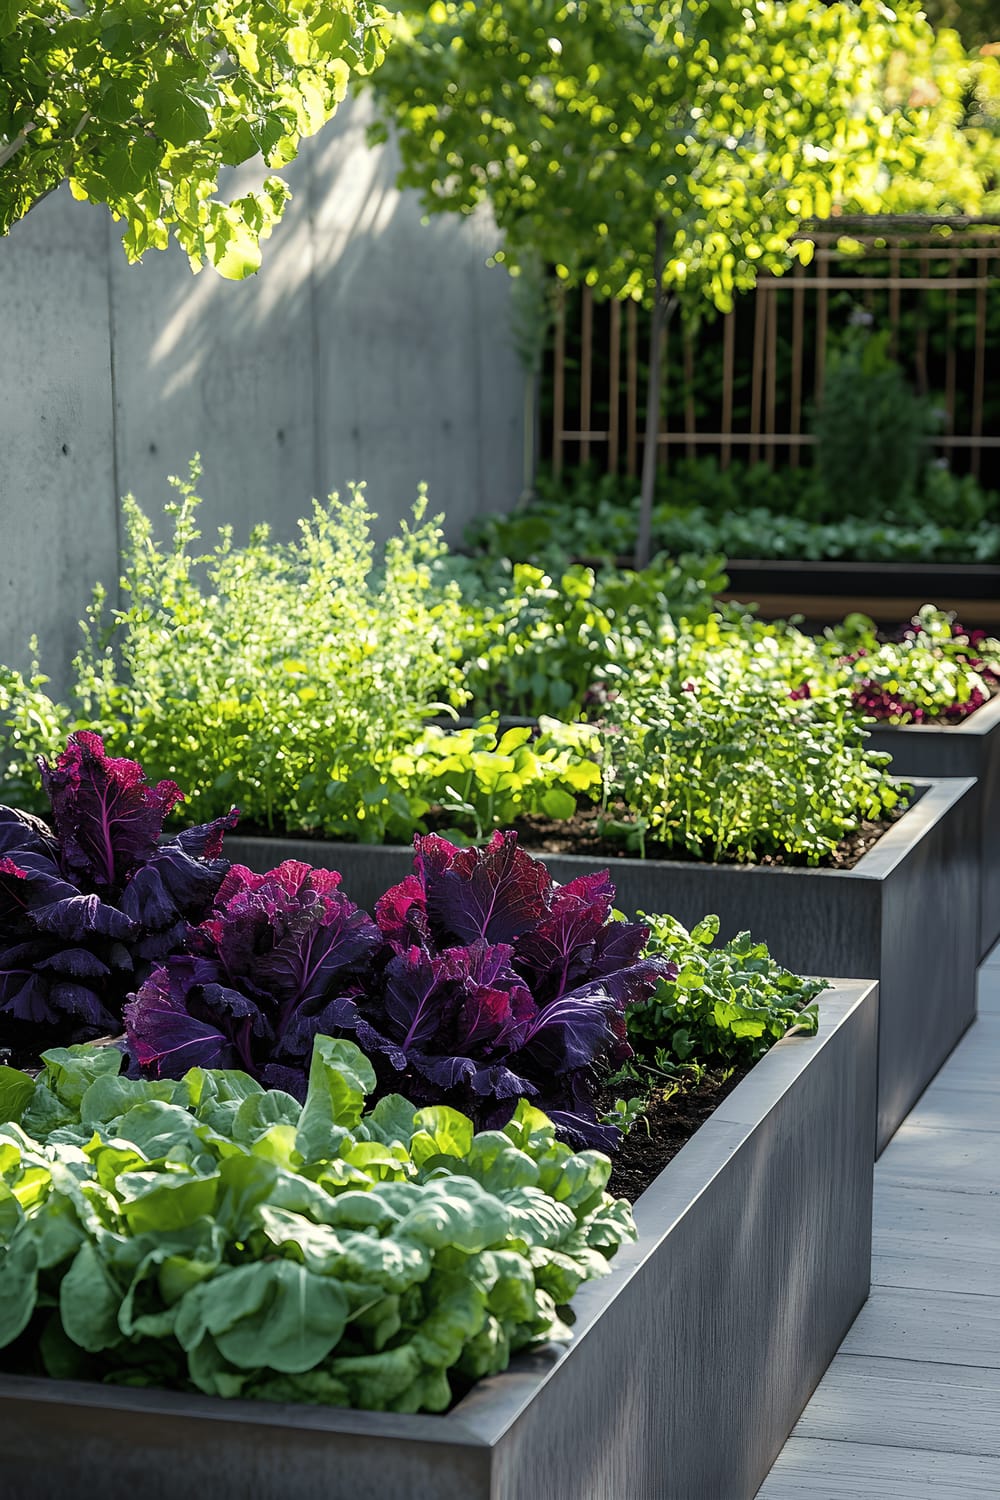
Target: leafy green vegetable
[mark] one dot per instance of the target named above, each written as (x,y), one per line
(727,1005)
(746,511)
(487,778)
(206,1234)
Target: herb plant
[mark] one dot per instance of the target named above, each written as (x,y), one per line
(205,1233)
(729,767)
(293,671)
(482,982)
(89,906)
(726,1005)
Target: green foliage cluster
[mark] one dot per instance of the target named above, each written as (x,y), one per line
(487,779)
(292,673)
(209,1233)
(761,533)
(586,126)
(141,106)
(536,641)
(871,424)
(932,671)
(728,1005)
(717,760)
(297,679)
(31,724)
(706,512)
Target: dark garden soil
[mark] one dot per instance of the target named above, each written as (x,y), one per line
(659,1134)
(582,834)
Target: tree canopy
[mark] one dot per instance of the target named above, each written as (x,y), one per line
(140,104)
(587,123)
(671,150)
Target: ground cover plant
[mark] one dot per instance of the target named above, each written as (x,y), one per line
(747,511)
(207,1234)
(89,906)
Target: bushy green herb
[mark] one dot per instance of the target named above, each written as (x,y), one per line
(292,673)
(31,724)
(725,765)
(870,428)
(728,1005)
(207,1233)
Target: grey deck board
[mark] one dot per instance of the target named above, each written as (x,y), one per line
(953,1161)
(942,1107)
(906,1404)
(910,1406)
(936,1241)
(949,1327)
(809,1469)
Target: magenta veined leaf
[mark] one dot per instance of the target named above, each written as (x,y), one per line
(107,816)
(481,982)
(88,909)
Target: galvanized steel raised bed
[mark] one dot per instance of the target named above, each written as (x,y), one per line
(906,914)
(971,748)
(690,1363)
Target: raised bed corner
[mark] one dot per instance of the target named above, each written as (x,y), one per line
(689,1366)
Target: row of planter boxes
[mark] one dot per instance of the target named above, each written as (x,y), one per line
(693,1359)
(907,915)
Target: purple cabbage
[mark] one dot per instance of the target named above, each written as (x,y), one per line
(281,958)
(481,981)
(89,906)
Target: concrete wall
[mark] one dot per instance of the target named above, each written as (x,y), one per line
(370,346)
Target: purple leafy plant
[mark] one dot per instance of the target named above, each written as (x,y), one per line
(281,958)
(90,905)
(481,981)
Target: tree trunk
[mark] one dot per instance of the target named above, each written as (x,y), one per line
(654,383)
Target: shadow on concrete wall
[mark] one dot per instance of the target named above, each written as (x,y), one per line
(370,347)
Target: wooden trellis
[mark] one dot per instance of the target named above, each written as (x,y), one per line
(923,255)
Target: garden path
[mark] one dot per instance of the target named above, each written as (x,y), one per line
(910,1406)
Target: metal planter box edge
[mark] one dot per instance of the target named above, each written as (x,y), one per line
(971,748)
(906,914)
(690,1362)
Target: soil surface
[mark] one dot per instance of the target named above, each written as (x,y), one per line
(582,834)
(671,1122)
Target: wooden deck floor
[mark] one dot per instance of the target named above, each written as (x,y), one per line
(910,1407)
